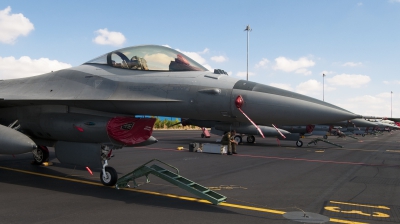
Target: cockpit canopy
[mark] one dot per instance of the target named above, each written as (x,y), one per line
(148,57)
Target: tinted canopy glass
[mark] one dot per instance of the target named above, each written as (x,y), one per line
(149,57)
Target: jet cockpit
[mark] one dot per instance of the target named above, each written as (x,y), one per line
(148,57)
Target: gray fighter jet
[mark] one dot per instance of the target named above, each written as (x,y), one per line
(87,111)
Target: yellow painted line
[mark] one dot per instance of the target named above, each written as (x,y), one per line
(252,208)
(51,176)
(225,204)
(361,205)
(346,221)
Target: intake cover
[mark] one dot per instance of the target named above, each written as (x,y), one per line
(130,130)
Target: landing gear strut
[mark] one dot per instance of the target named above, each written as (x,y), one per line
(108,175)
(40,155)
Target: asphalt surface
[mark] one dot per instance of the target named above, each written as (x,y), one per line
(359,183)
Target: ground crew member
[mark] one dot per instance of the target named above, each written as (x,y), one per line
(233,143)
(228,140)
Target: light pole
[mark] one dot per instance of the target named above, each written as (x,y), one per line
(391,94)
(248,29)
(323,87)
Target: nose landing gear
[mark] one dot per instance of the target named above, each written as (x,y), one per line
(108,175)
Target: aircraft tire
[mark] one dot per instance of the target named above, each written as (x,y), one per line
(111,176)
(238,139)
(42,155)
(299,143)
(251,139)
(363,135)
(202,135)
(325,136)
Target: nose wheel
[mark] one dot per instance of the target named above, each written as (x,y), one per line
(108,176)
(299,143)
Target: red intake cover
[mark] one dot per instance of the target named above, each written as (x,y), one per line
(130,130)
(310,128)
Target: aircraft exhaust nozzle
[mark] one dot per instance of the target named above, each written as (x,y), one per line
(13,142)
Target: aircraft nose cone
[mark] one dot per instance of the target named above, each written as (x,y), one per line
(269,105)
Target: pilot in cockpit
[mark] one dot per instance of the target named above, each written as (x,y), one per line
(137,63)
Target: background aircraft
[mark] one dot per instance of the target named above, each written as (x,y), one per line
(86,112)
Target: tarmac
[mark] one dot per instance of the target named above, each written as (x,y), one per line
(264,183)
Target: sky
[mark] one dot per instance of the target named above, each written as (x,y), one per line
(356,44)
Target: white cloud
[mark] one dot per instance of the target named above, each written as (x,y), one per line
(313,88)
(378,105)
(391,82)
(282,86)
(244,74)
(352,64)
(353,81)
(13,25)
(309,87)
(219,58)
(106,37)
(299,66)
(303,71)
(384,95)
(263,63)
(11,67)
(359,4)
(206,50)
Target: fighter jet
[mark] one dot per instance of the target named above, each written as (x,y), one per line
(86,112)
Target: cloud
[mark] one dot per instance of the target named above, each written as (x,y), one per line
(11,68)
(105,37)
(359,4)
(352,64)
(313,88)
(13,25)
(299,66)
(394,1)
(263,63)
(353,81)
(384,95)
(310,86)
(219,58)
(244,74)
(391,82)
(282,86)
(368,105)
